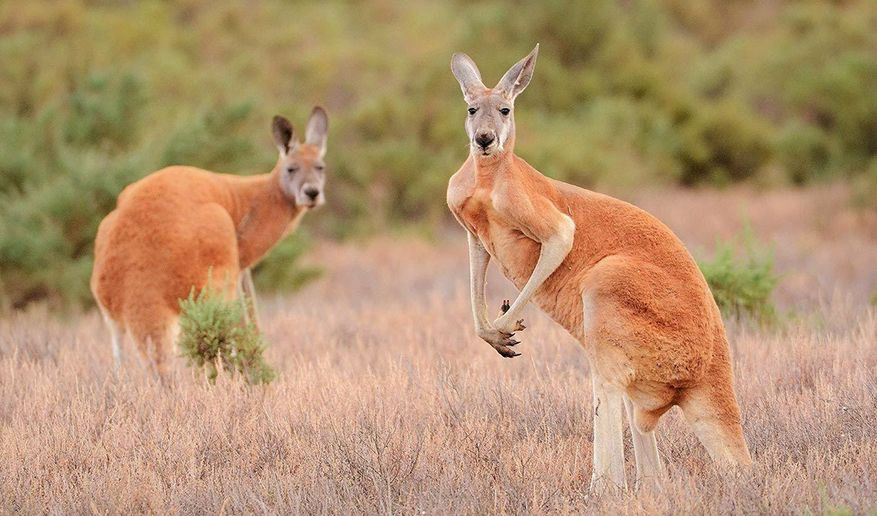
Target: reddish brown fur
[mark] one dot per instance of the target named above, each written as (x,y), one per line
(172,227)
(654,329)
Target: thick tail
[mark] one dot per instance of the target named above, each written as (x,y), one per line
(712,411)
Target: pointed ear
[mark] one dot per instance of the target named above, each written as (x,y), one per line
(467,75)
(283,134)
(518,77)
(318,129)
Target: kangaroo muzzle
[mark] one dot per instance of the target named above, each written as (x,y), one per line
(485,139)
(310,196)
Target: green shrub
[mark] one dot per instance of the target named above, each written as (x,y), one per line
(215,336)
(742,282)
(721,144)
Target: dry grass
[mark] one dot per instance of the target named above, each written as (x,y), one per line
(388,403)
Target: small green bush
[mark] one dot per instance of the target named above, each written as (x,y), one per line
(742,283)
(215,336)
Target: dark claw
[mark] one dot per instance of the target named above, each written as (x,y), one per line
(505,306)
(514,342)
(507,353)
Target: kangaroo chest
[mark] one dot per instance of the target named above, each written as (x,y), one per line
(515,253)
(512,250)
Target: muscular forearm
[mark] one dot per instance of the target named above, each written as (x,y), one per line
(478,261)
(554,251)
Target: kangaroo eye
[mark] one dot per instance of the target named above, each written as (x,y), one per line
(472,110)
(319,168)
(291,170)
(505,111)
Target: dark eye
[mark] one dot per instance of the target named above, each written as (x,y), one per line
(292,170)
(505,111)
(319,168)
(472,110)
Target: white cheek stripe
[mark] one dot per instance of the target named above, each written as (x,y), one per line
(503,135)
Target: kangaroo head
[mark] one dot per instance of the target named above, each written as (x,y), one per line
(301,169)
(490,122)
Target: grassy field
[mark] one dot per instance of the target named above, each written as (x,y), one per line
(387,402)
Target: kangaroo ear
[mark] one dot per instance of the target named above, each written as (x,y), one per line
(283,135)
(467,75)
(318,129)
(518,77)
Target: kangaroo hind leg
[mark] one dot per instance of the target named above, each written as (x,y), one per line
(649,467)
(155,337)
(117,335)
(608,463)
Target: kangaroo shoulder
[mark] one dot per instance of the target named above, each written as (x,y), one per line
(460,187)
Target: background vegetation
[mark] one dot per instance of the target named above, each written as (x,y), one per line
(742,285)
(95,94)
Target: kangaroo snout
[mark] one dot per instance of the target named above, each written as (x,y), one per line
(310,195)
(484,139)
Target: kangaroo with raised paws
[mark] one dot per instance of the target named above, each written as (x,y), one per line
(612,275)
(178,227)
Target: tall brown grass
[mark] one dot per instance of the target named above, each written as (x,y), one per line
(387,402)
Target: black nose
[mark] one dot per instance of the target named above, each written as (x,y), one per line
(484,140)
(312,193)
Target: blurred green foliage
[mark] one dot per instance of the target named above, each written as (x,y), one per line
(742,278)
(96,94)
